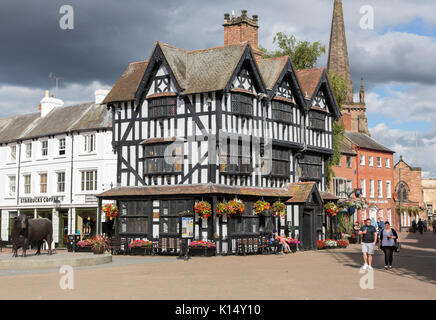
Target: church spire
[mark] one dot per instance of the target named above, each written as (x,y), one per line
(338,53)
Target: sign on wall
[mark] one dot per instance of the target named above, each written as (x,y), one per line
(187,227)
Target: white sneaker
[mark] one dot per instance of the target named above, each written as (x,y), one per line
(365,266)
(369,267)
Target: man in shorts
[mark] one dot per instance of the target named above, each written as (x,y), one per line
(369,239)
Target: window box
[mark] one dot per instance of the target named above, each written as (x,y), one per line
(202,252)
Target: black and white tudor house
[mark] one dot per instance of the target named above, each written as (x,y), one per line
(234,125)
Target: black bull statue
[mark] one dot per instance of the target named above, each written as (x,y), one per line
(31,231)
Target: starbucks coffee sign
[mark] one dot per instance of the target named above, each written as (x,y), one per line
(51,199)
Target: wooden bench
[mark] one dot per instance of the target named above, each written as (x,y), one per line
(167,246)
(3,244)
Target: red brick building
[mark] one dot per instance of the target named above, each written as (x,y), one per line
(408,193)
(365,163)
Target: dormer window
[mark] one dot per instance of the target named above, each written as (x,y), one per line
(164,107)
(242,104)
(317,120)
(282,111)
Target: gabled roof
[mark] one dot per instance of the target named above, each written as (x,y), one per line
(82,117)
(271,69)
(309,80)
(300,191)
(125,88)
(312,80)
(196,71)
(362,140)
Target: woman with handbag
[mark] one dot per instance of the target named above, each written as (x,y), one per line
(388,241)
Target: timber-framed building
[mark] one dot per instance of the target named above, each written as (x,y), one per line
(233,125)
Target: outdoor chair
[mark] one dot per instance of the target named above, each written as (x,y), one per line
(240,247)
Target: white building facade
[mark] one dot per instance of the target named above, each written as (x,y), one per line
(53,162)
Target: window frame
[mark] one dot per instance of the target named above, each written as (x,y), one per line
(387,162)
(84,184)
(379,162)
(362,160)
(43,184)
(280,110)
(44,148)
(157,158)
(315,120)
(89,143)
(349,162)
(60,183)
(28,150)
(227,165)
(173,215)
(12,186)
(363,186)
(388,189)
(62,146)
(146,214)
(27,186)
(161,110)
(380,188)
(371,188)
(13,153)
(242,104)
(370,161)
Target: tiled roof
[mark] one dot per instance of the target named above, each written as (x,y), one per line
(364,141)
(270,69)
(309,79)
(346,147)
(62,119)
(300,191)
(297,192)
(125,88)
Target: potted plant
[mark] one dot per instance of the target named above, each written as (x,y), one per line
(279,208)
(84,245)
(321,244)
(236,206)
(261,207)
(293,244)
(342,243)
(203,209)
(110,210)
(140,247)
(202,248)
(100,244)
(331,244)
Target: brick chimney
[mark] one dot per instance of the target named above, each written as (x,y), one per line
(242,29)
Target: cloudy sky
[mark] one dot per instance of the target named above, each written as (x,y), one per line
(396,58)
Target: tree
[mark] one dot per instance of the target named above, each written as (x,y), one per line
(303,54)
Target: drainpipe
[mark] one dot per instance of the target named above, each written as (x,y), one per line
(71,170)
(17,180)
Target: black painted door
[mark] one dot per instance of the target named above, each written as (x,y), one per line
(308,230)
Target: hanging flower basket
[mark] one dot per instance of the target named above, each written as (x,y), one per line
(331,208)
(110,210)
(223,209)
(203,209)
(261,207)
(279,208)
(236,206)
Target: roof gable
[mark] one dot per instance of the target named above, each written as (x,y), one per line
(364,141)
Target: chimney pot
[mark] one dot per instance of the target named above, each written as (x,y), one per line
(226,17)
(243,13)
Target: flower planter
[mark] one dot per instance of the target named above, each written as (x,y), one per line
(202,251)
(84,249)
(137,251)
(293,247)
(98,250)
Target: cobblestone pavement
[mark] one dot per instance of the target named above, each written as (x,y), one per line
(327,274)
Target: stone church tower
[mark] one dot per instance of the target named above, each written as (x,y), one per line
(354,116)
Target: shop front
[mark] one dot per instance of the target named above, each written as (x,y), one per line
(154,213)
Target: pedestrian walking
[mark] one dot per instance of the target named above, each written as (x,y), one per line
(388,239)
(369,238)
(380,225)
(414,226)
(420,226)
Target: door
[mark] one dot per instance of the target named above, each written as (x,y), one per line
(373,214)
(63,229)
(308,230)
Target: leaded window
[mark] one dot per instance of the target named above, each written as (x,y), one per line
(311,168)
(235,157)
(164,107)
(280,162)
(163,158)
(282,111)
(135,218)
(317,120)
(169,215)
(242,104)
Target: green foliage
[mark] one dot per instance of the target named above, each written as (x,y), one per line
(344,225)
(304,54)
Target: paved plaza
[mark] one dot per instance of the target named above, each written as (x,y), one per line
(332,274)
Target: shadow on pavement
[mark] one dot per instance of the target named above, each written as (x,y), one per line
(412,263)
